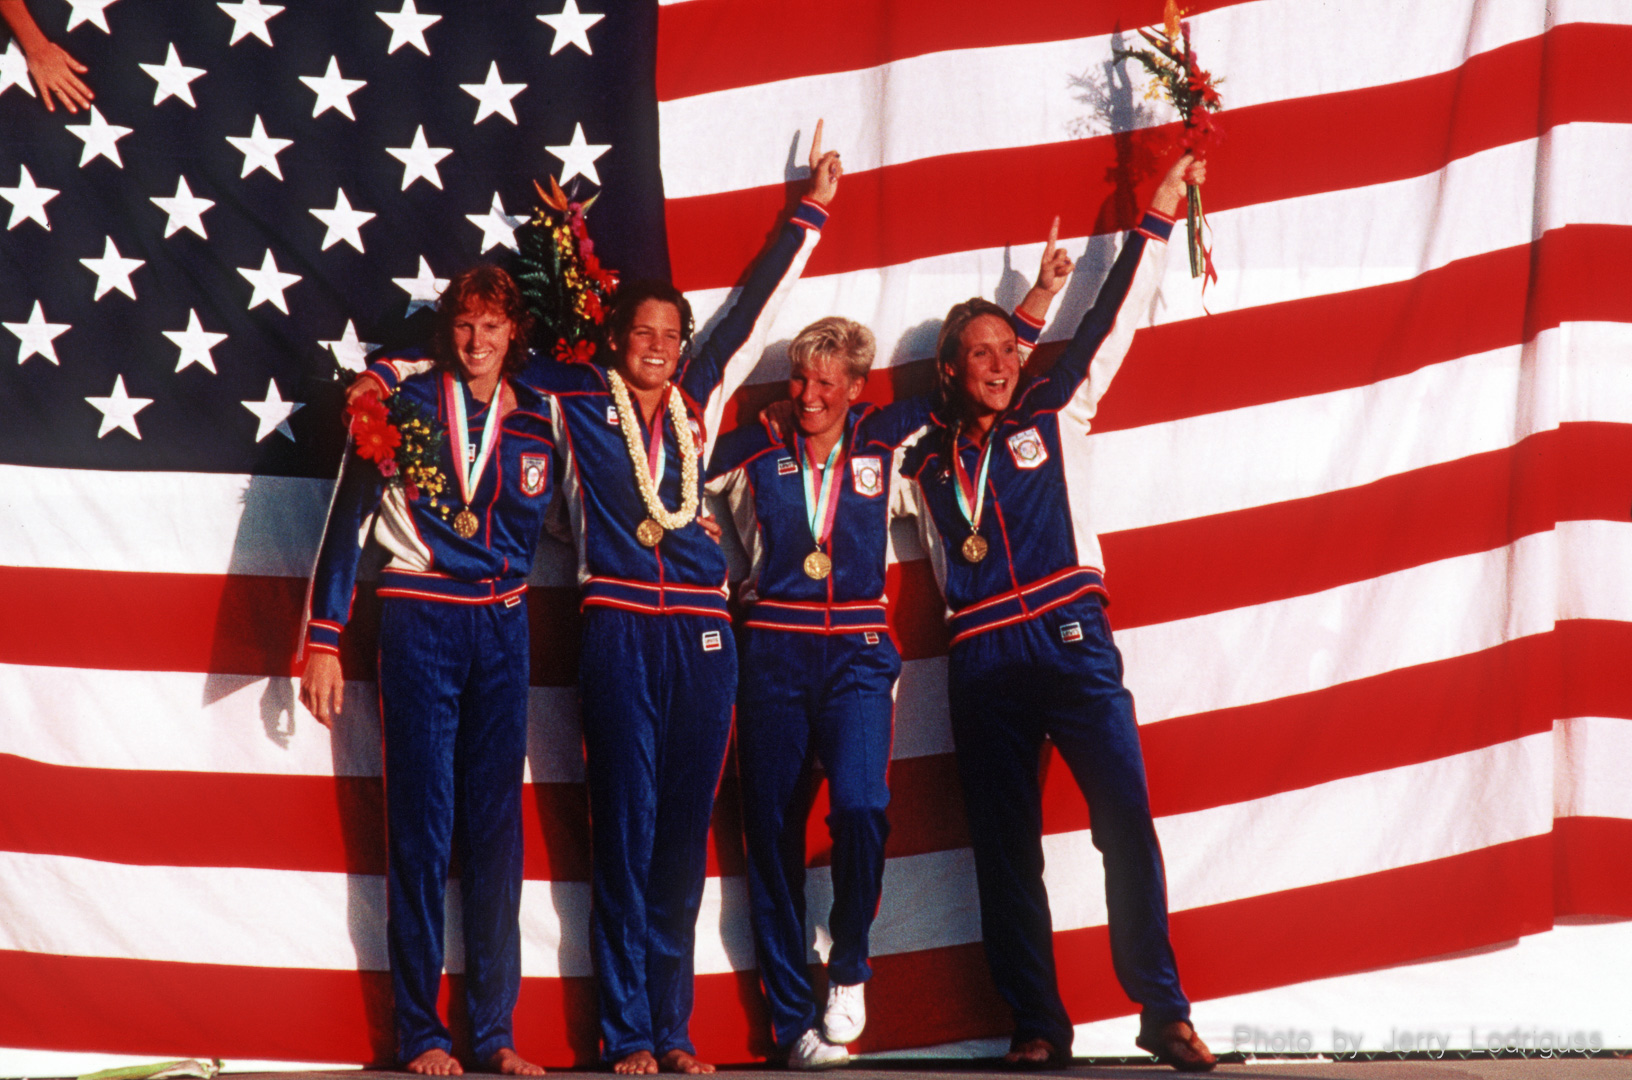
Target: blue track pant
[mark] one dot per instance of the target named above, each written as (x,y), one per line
(1058,675)
(803,698)
(656,692)
(453,698)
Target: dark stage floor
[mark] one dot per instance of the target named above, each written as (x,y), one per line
(1449,1068)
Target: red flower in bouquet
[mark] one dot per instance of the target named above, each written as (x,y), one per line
(371,429)
(1193,93)
(580,353)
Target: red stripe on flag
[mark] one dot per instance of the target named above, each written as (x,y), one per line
(1173,571)
(1581,471)
(1431,909)
(1345,140)
(137,1007)
(1592,866)
(710,45)
(1398,718)
(224,624)
(1578,273)
(1387,721)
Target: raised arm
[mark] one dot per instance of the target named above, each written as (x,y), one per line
(1090,361)
(1052,274)
(718,368)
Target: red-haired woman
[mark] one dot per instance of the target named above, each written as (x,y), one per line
(458,528)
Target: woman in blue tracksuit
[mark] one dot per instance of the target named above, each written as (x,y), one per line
(658,667)
(810,494)
(1013,548)
(453,661)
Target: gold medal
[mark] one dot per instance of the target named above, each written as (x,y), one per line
(464,523)
(818,564)
(648,532)
(974,547)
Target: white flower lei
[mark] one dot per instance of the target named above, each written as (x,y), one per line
(627,422)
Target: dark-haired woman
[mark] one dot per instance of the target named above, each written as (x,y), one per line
(1031,656)
(658,672)
(453,659)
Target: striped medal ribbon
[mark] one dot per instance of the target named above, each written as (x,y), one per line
(468,470)
(972,500)
(821,503)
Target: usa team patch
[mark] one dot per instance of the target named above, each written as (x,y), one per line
(612,415)
(535,473)
(870,637)
(1071,631)
(1027,449)
(868,475)
(786,466)
(711,641)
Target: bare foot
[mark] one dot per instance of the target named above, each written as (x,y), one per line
(678,1061)
(1034,1054)
(641,1062)
(435,1062)
(510,1063)
(1178,1045)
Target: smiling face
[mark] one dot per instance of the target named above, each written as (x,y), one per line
(822,390)
(648,354)
(481,341)
(987,367)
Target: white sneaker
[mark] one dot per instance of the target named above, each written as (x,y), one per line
(846,1012)
(814,1052)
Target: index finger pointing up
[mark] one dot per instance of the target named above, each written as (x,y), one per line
(816,146)
(1053,236)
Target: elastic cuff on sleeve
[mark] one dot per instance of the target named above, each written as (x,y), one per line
(810,215)
(1027,330)
(385,373)
(323,636)
(1156,226)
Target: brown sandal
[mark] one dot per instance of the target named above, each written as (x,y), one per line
(1178,1045)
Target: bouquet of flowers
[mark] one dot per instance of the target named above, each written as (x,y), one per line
(402,444)
(568,291)
(1194,93)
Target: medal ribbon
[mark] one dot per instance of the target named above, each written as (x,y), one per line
(655,456)
(470,472)
(821,505)
(971,503)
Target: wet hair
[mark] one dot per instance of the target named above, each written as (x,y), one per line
(844,339)
(483,288)
(950,341)
(632,294)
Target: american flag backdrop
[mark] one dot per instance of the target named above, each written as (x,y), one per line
(1365,516)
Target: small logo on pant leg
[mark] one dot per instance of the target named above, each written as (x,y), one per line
(711,641)
(1071,631)
(870,637)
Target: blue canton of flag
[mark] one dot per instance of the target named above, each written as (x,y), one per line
(261,194)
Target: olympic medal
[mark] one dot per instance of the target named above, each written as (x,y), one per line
(818,564)
(464,523)
(974,547)
(648,532)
